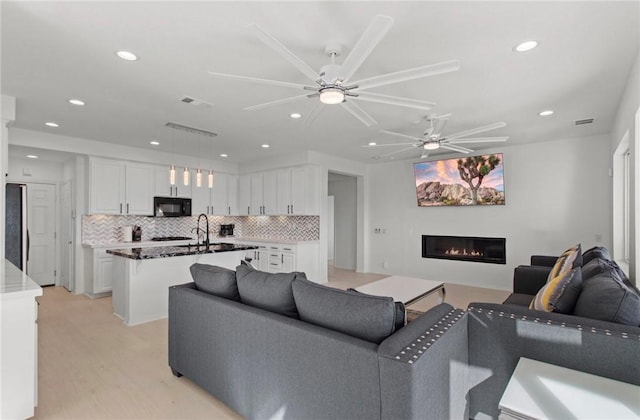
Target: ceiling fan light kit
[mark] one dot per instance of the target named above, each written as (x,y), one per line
(431,145)
(331,95)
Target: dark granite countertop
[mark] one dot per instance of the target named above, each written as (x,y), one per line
(148,253)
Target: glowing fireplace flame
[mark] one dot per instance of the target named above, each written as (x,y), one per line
(456,251)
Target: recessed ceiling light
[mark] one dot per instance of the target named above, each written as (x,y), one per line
(373,143)
(51,124)
(126,55)
(545,113)
(155,143)
(32,156)
(525,46)
(295,115)
(76,102)
(224,155)
(265,146)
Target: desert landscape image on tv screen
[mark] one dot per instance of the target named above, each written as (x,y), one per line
(464,181)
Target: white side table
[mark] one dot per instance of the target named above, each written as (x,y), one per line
(540,390)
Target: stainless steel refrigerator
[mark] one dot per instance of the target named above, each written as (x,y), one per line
(16,233)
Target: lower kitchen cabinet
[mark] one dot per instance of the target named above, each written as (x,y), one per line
(285,258)
(98,272)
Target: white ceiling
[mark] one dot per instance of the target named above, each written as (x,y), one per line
(53,51)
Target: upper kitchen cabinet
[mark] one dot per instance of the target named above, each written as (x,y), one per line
(223,194)
(263,193)
(244,195)
(297,190)
(120,187)
(163,187)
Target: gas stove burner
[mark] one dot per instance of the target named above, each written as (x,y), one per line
(171,238)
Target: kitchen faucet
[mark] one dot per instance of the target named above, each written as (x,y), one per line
(198,230)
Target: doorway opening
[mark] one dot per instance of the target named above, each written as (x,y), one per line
(342,223)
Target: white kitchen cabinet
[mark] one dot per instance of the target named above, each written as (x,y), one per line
(106,186)
(288,258)
(19,338)
(139,182)
(120,187)
(244,194)
(263,193)
(163,187)
(201,199)
(297,190)
(98,272)
(232,194)
(259,257)
(218,200)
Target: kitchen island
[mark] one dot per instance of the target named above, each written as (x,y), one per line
(142,276)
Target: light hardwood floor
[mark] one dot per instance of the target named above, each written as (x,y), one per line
(91,366)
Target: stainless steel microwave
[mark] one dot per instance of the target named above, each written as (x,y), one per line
(171,206)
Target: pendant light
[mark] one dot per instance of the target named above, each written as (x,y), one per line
(199,172)
(172,168)
(186,175)
(210,176)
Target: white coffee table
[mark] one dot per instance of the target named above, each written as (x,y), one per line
(407,290)
(539,390)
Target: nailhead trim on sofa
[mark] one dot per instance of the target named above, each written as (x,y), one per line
(578,327)
(416,349)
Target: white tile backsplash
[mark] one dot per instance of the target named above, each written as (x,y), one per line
(106,229)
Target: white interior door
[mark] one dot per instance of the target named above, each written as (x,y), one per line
(41,226)
(66,237)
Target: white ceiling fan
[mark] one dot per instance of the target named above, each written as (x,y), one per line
(333,85)
(432,139)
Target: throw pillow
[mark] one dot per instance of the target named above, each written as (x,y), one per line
(607,298)
(368,317)
(570,259)
(595,252)
(560,294)
(216,280)
(270,291)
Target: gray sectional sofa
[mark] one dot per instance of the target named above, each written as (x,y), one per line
(320,362)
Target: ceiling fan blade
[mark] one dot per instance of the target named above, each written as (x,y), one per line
(478,140)
(359,113)
(424,155)
(311,116)
(455,148)
(275,45)
(395,152)
(439,126)
(374,33)
(476,130)
(393,133)
(410,74)
(260,81)
(277,102)
(394,100)
(391,144)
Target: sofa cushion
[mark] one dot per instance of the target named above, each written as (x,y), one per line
(560,294)
(368,317)
(570,259)
(607,297)
(401,311)
(595,252)
(270,291)
(216,280)
(598,266)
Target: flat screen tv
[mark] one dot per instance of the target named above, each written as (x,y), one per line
(465,181)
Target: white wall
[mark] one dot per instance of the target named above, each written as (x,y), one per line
(626,121)
(7,115)
(344,192)
(557,194)
(40,171)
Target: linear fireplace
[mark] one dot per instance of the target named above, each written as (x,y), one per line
(465,248)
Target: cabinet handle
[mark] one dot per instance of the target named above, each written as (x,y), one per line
(292,209)
(248,210)
(120,208)
(229,209)
(208,210)
(282,258)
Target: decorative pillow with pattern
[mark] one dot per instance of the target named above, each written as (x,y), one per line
(560,294)
(570,259)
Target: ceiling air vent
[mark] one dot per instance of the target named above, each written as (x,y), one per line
(198,103)
(583,121)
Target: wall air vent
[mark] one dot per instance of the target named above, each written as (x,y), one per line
(198,103)
(583,121)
